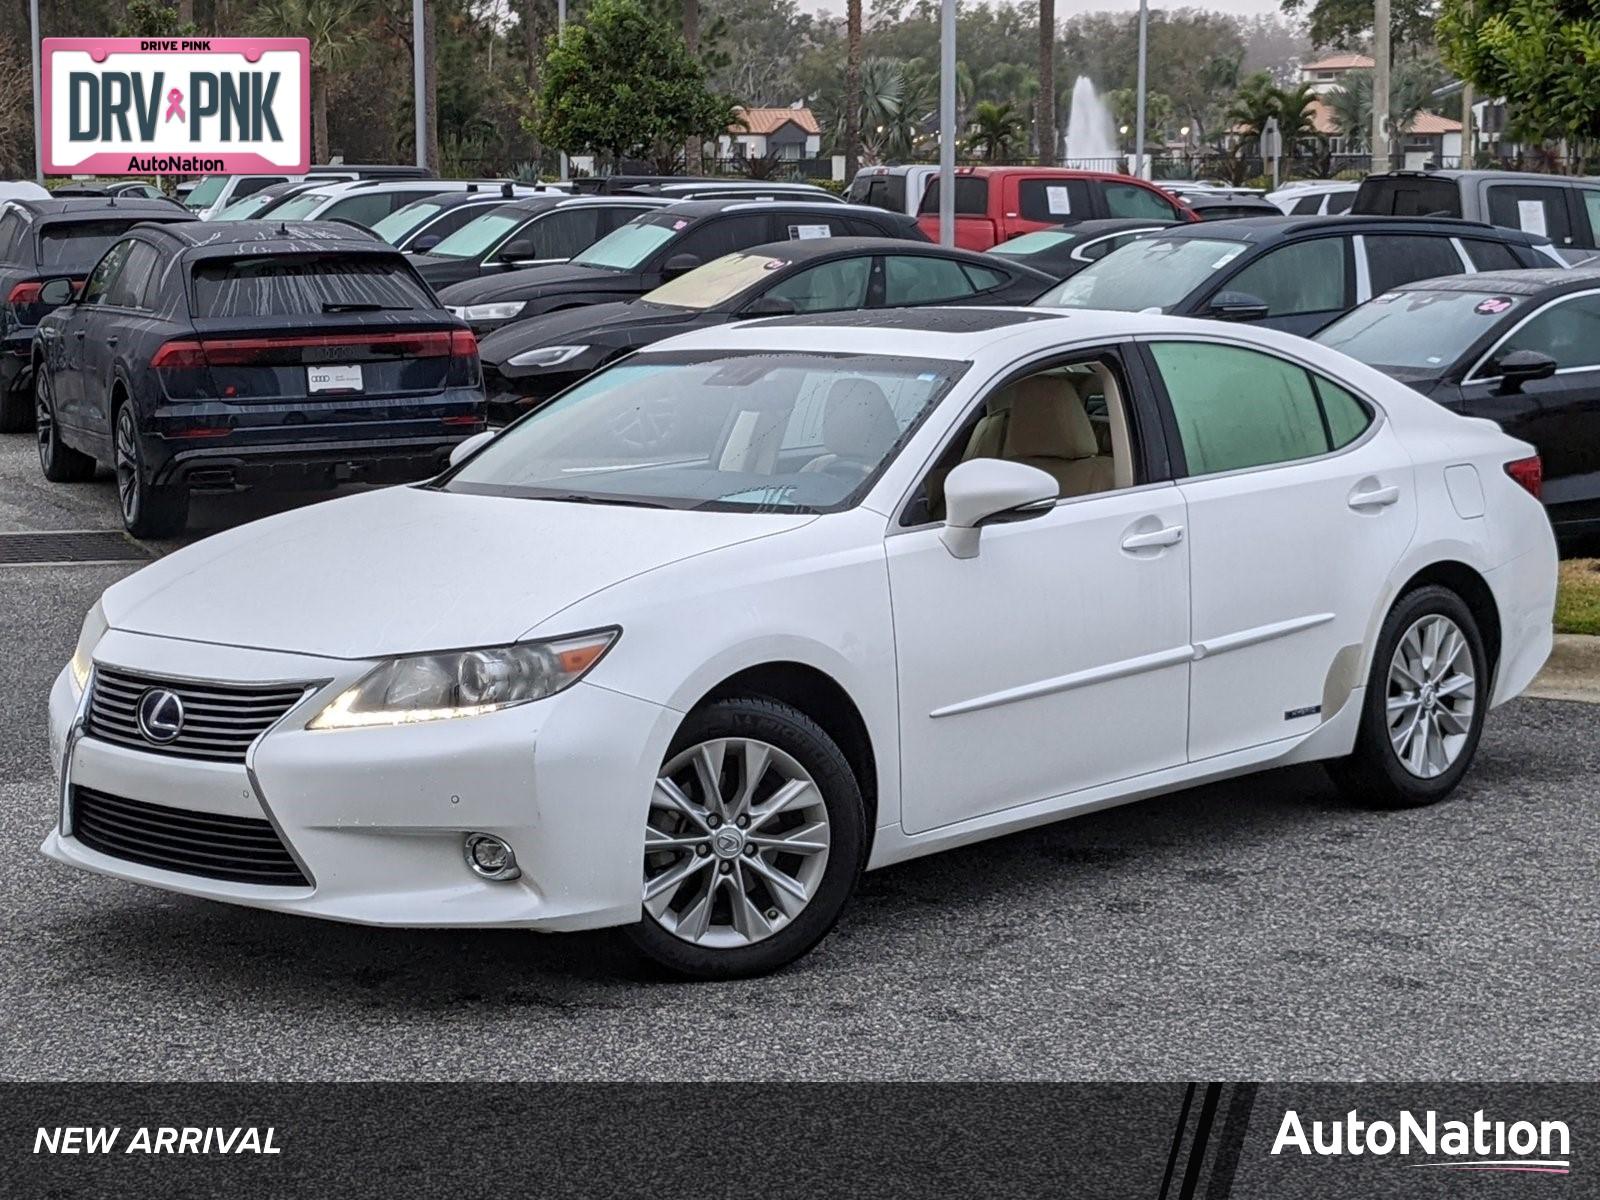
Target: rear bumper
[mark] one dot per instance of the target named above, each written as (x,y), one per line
(376,460)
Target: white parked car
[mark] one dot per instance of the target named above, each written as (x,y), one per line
(770,603)
(1320,198)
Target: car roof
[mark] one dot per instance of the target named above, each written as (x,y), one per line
(1270,228)
(267,235)
(1050,172)
(94,206)
(695,209)
(544,201)
(804,249)
(1533,282)
(1453,173)
(489,194)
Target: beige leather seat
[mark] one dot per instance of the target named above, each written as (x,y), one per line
(1048,428)
(858,428)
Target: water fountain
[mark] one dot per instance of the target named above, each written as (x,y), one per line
(1091,132)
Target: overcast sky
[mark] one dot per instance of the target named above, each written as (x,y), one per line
(1066,10)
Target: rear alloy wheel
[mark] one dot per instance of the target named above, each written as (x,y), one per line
(148,511)
(1424,708)
(753,842)
(59,461)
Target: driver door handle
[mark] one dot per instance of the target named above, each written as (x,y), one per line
(79,333)
(1375,498)
(1170,536)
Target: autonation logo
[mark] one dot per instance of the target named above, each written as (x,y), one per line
(1476,1145)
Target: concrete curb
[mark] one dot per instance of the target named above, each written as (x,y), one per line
(1573,672)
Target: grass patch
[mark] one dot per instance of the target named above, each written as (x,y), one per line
(1578,596)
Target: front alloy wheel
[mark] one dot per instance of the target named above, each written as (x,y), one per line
(754,839)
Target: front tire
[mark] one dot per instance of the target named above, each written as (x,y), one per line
(754,842)
(148,511)
(1426,698)
(59,461)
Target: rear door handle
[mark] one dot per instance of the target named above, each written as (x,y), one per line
(1169,536)
(112,341)
(78,333)
(1375,498)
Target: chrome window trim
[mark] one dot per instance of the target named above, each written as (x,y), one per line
(1472,376)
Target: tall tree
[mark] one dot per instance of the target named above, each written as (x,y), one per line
(1046,123)
(430,82)
(852,89)
(997,130)
(334,29)
(691,43)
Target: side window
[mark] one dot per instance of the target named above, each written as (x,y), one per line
(1568,331)
(1393,260)
(1533,209)
(1307,206)
(563,233)
(98,285)
(1053,200)
(912,279)
(1103,247)
(827,287)
(366,209)
(801,228)
(1591,210)
(712,239)
(10,234)
(128,288)
(1239,408)
(1126,200)
(1303,277)
(1340,202)
(984,278)
(1488,256)
(614,218)
(972,197)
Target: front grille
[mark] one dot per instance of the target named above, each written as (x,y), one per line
(220,720)
(238,849)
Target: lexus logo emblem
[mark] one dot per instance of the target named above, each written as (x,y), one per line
(160,716)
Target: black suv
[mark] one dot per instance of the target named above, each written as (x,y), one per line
(44,238)
(211,357)
(659,246)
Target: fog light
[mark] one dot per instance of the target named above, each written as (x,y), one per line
(491,857)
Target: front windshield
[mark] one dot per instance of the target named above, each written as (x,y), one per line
(717,282)
(626,248)
(1418,330)
(1148,273)
(478,234)
(403,220)
(766,431)
(243,210)
(300,207)
(204,194)
(1034,243)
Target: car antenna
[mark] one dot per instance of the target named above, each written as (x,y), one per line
(283,227)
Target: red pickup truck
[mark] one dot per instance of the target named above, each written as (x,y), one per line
(995,204)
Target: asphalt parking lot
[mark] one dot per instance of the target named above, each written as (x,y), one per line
(1259,929)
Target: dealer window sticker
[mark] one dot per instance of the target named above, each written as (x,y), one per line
(1493,306)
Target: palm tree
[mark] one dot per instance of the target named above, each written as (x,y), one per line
(1350,106)
(996,130)
(333,28)
(852,89)
(1255,103)
(1046,95)
(1297,113)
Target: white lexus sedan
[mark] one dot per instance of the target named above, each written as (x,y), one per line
(766,605)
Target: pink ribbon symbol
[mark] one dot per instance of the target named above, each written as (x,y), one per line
(175,105)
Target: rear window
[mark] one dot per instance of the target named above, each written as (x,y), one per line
(972,197)
(305,285)
(80,243)
(1409,197)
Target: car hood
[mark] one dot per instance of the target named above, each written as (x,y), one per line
(531,282)
(409,569)
(609,324)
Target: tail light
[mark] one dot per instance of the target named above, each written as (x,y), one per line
(186,363)
(465,370)
(26,293)
(1529,474)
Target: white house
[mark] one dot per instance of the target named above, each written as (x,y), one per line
(776,132)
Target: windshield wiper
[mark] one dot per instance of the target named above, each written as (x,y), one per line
(362,306)
(587,498)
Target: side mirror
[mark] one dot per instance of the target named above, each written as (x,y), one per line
(984,491)
(56,292)
(680,264)
(466,448)
(425,243)
(1515,369)
(517,250)
(768,306)
(1236,306)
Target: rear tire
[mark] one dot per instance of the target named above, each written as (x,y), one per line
(16,410)
(59,461)
(148,511)
(1423,713)
(755,840)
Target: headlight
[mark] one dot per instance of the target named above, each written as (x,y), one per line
(457,311)
(492,312)
(94,628)
(546,356)
(464,683)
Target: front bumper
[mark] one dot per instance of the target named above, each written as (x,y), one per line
(376,818)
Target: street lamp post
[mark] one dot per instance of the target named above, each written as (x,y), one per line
(418,81)
(947,123)
(1138,104)
(38,99)
(561,25)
